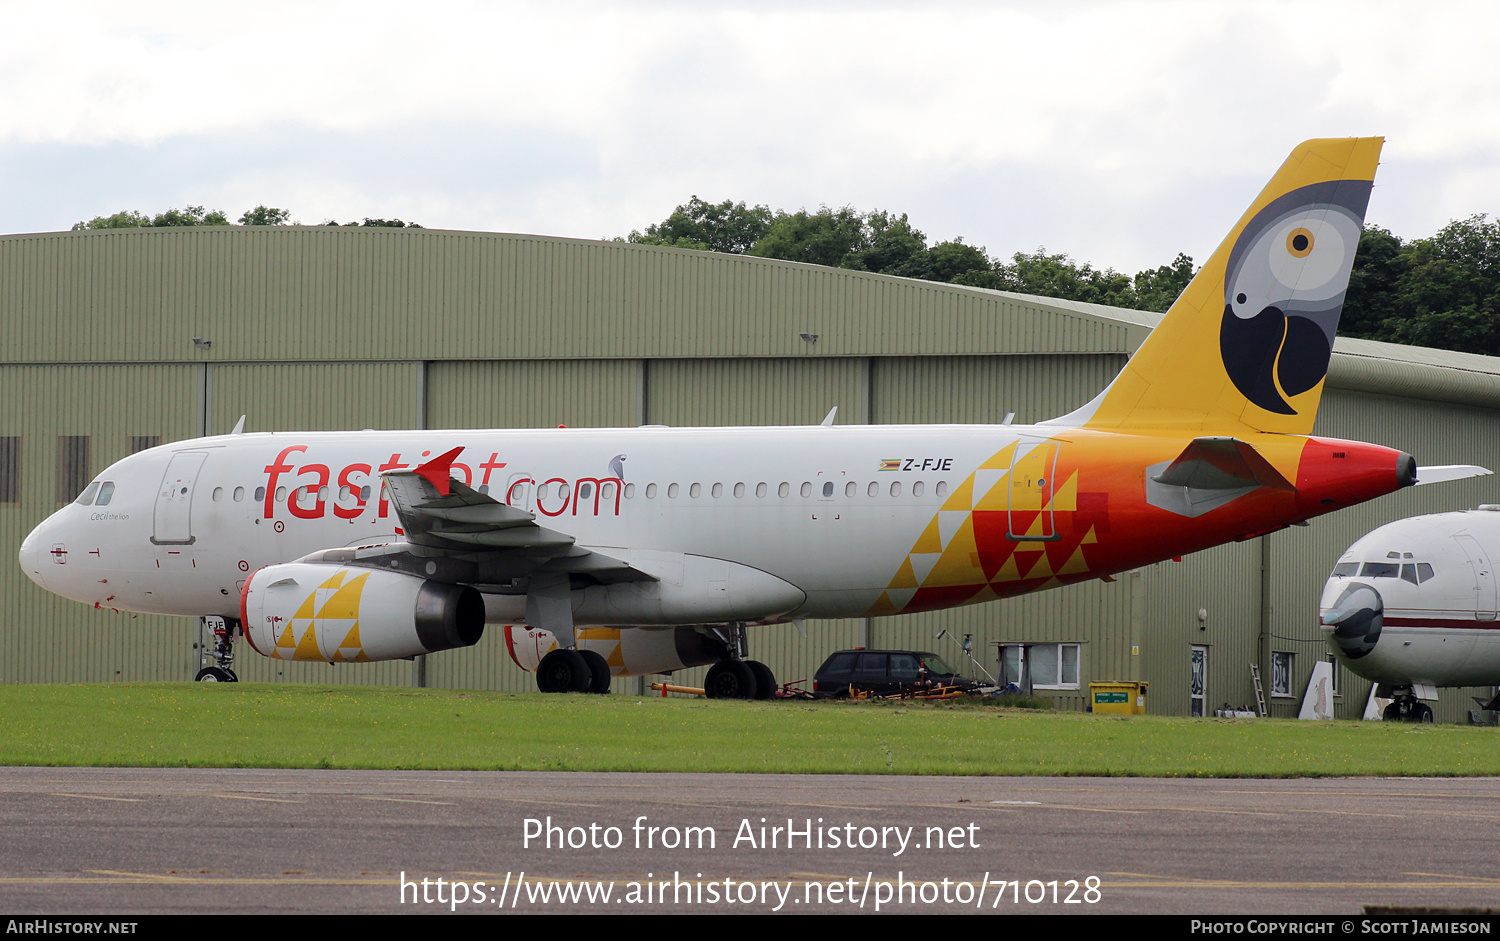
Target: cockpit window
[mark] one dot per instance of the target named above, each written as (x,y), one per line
(106,493)
(1415,573)
(87,497)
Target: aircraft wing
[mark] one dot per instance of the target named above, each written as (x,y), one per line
(457,534)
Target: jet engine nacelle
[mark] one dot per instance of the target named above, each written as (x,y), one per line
(346,614)
(629,651)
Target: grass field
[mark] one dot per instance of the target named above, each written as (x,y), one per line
(272,726)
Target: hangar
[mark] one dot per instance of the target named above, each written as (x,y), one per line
(118,340)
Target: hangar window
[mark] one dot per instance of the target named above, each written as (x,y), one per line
(1053,666)
(1281,673)
(10,470)
(72,466)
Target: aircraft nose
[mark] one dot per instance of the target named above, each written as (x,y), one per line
(1355,619)
(34,558)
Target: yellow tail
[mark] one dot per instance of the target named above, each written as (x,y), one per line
(1246,346)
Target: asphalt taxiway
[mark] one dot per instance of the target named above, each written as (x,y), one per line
(124,841)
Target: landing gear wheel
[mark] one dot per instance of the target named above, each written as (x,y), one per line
(765,680)
(730,679)
(215,675)
(563,671)
(1393,713)
(1422,713)
(598,671)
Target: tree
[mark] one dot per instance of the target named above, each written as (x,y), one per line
(1157,288)
(377,224)
(265,215)
(716,227)
(192,215)
(826,237)
(128,219)
(1058,276)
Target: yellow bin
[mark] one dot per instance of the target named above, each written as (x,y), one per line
(1122,699)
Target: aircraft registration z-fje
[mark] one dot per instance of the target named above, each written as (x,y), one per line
(617,552)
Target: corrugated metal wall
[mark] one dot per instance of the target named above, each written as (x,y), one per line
(316,328)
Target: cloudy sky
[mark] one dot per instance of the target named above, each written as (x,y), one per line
(1117,132)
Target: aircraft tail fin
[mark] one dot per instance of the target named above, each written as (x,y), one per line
(1246,346)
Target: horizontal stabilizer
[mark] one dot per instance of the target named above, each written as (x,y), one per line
(1440,473)
(1221,464)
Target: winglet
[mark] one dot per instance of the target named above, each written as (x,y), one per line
(239,426)
(436,470)
(828,419)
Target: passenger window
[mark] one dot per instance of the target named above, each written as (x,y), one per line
(672,492)
(942,488)
(585,491)
(651,491)
(87,497)
(630,491)
(918,488)
(874,490)
(851,488)
(828,488)
(694,490)
(784,490)
(806,489)
(260,494)
(739,490)
(239,494)
(718,491)
(895,488)
(364,493)
(218,496)
(760,489)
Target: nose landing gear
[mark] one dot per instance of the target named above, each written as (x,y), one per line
(221,652)
(1405,707)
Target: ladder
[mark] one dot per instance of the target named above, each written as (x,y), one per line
(1260,693)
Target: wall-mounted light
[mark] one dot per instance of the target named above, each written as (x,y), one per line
(202,344)
(809,337)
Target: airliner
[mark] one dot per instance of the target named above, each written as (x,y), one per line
(1412,607)
(620,552)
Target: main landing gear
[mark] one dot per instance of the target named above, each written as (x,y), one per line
(222,651)
(572,671)
(739,679)
(1405,707)
(734,677)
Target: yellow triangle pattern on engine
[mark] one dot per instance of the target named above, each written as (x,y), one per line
(326,625)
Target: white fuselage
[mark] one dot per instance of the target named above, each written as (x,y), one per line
(833,510)
(1438,623)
